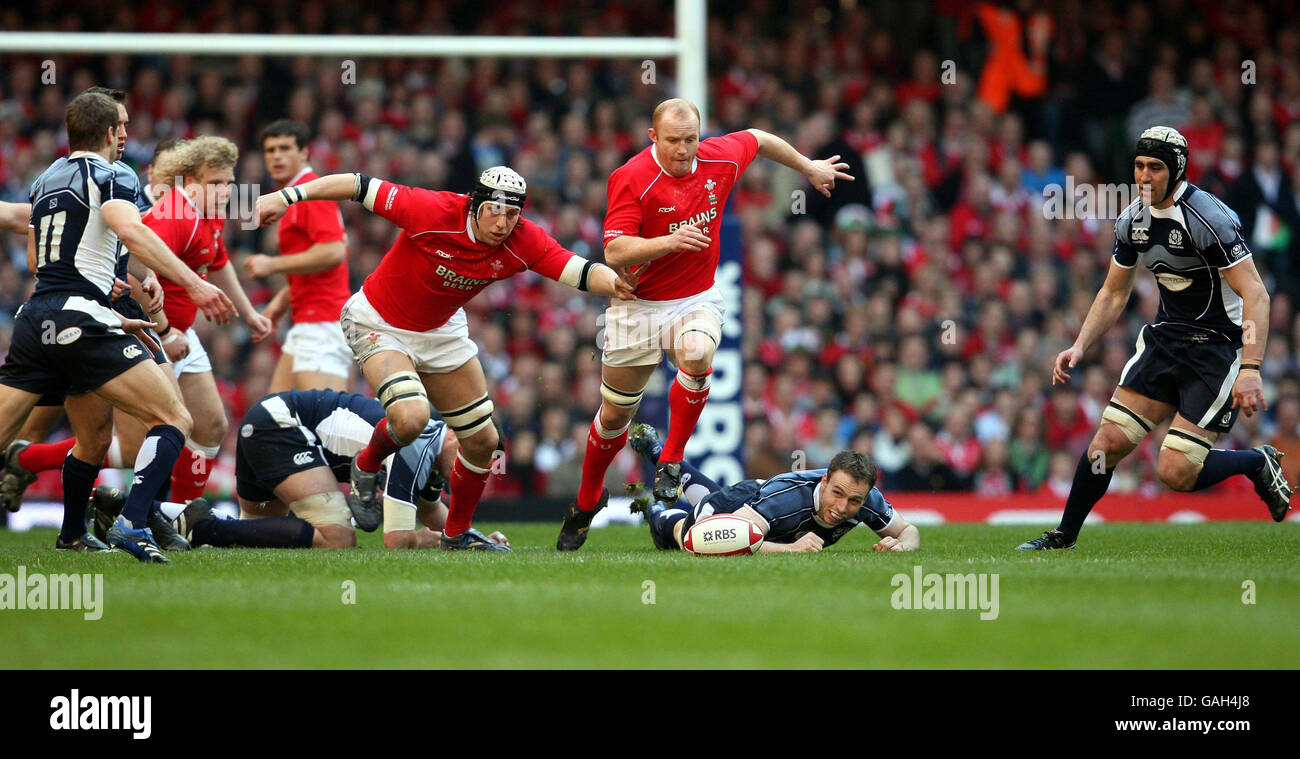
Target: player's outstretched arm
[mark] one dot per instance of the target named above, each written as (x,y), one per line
(124,219)
(15,217)
(821,173)
(271,206)
(1248,390)
(1103,314)
(900,535)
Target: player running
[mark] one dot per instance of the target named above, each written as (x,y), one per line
(313,255)
(135,290)
(190,219)
(665,205)
(407,327)
(1195,363)
(802,511)
(66,338)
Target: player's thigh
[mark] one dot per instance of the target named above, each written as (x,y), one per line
(282,378)
(318,480)
(199,389)
(91,418)
(384,364)
(1156,411)
(250,509)
(40,423)
(143,391)
(15,405)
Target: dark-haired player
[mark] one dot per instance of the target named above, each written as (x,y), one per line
(313,257)
(800,511)
(407,327)
(1196,362)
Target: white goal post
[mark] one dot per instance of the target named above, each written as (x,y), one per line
(687,47)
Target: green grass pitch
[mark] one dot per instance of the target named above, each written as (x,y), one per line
(1131,596)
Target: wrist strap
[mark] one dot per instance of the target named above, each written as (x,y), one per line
(292,195)
(171,339)
(164,330)
(1250,365)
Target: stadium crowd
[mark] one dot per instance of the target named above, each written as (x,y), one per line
(914,315)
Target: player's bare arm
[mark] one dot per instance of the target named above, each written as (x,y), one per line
(629,250)
(1103,314)
(319,257)
(272,206)
(124,219)
(821,173)
(259,325)
(900,535)
(278,307)
(1248,390)
(14,217)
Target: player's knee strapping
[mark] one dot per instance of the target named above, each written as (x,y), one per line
(470,419)
(323,509)
(401,386)
(708,326)
(621,399)
(1131,423)
(1191,444)
(696,383)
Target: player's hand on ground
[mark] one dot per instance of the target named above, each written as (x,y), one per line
(214,303)
(499,538)
(119,288)
(140,328)
(176,345)
(1248,392)
(809,543)
(153,288)
(258,266)
(822,174)
(1065,360)
(270,207)
(689,237)
(887,544)
(260,326)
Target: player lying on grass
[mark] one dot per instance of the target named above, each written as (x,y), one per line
(801,511)
(1196,363)
(294,449)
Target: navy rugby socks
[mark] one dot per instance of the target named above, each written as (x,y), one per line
(78,481)
(1088,488)
(153,471)
(1220,465)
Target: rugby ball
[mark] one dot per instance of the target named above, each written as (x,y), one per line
(723,535)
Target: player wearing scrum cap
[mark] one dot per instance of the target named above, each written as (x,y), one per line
(665,209)
(1196,362)
(407,328)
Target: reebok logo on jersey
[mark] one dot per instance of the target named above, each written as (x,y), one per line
(668,209)
(131,351)
(392,194)
(302,458)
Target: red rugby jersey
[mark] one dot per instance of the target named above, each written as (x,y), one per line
(645,201)
(319,296)
(436,266)
(195,240)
